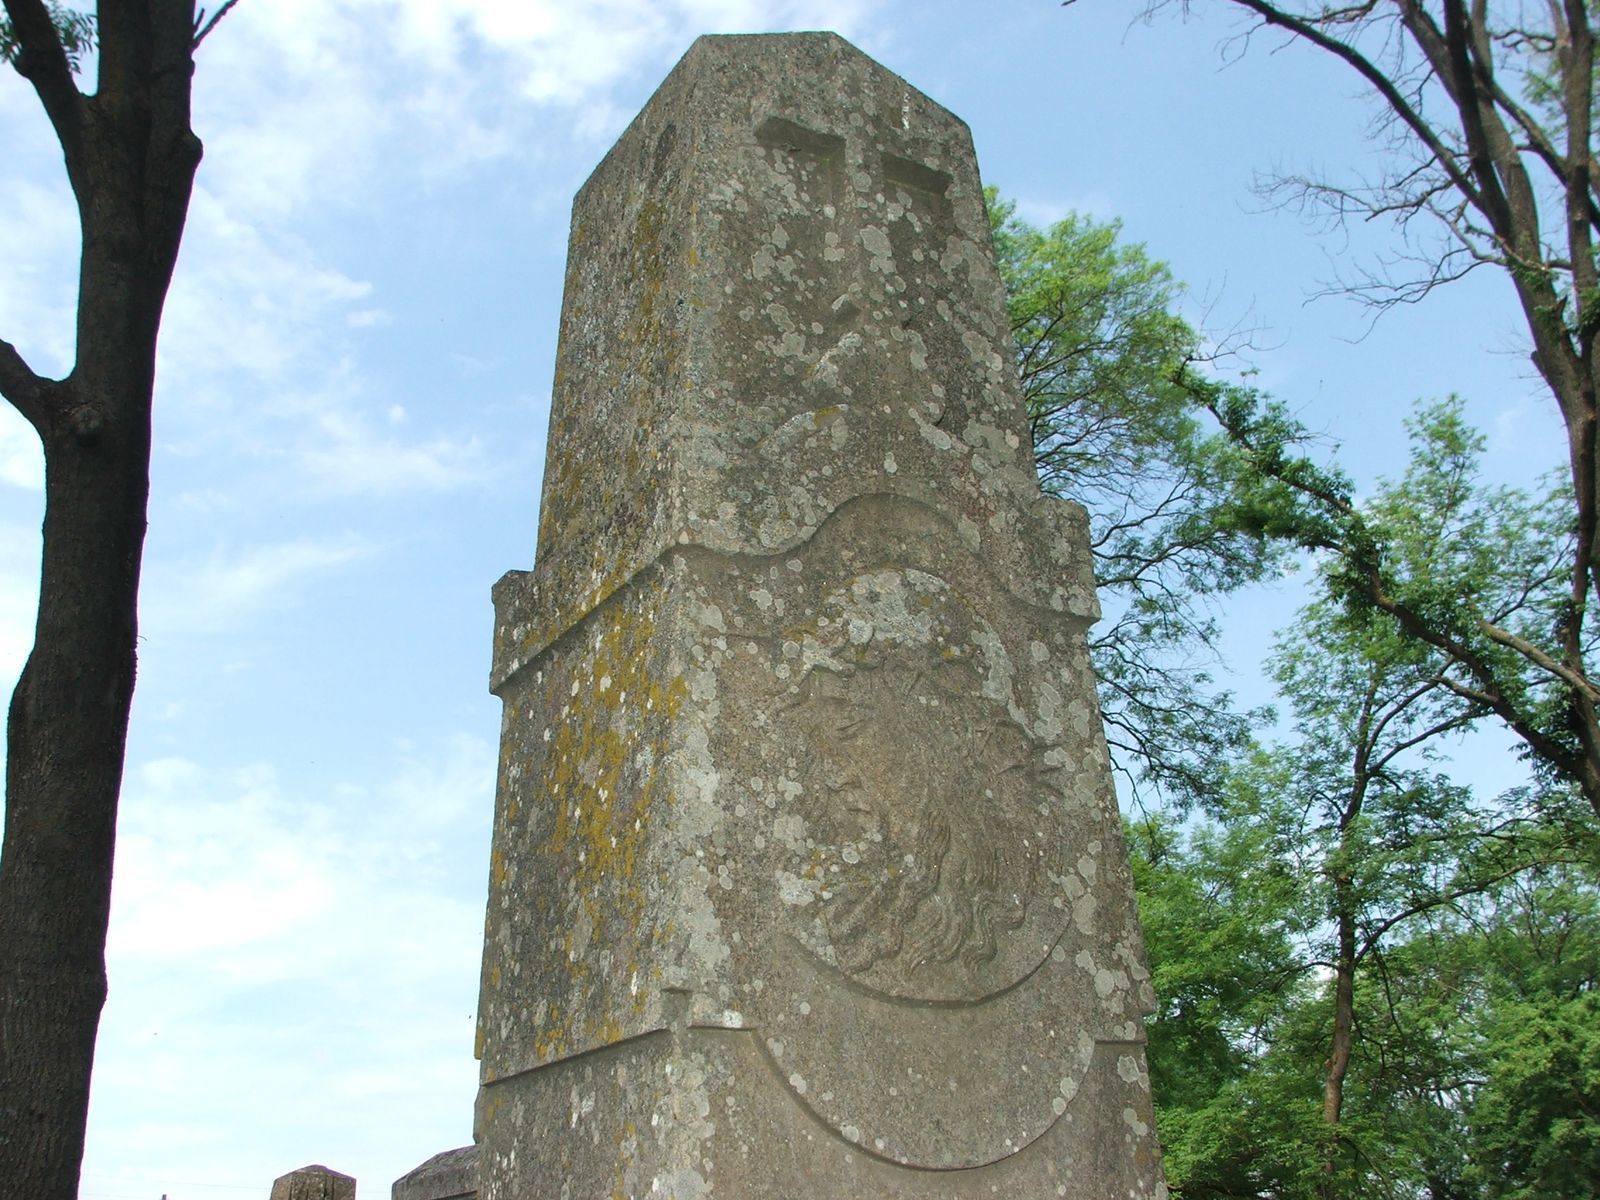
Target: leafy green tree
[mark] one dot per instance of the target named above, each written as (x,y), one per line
(1224,914)
(1535,1119)
(1332,1003)
(1538,1115)
(1103,359)
(1478,576)
(1488,115)
(130,158)
(1243,946)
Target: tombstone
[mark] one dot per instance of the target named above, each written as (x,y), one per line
(807,875)
(313,1183)
(449,1175)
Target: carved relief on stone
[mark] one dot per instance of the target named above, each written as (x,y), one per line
(930,838)
(915,949)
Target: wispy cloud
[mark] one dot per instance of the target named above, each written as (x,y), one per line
(348,453)
(39,247)
(1046,212)
(19,599)
(211,862)
(247,302)
(228,588)
(277,938)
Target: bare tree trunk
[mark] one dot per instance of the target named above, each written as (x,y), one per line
(66,732)
(131,158)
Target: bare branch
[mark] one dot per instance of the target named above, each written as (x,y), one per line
(203,27)
(1271,14)
(1450,724)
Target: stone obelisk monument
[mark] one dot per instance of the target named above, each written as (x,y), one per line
(807,877)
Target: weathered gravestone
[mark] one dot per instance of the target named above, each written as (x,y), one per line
(313,1183)
(807,877)
(449,1175)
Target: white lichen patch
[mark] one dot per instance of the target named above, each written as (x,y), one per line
(794,890)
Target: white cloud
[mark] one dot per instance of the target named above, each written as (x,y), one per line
(563,53)
(1046,212)
(319,110)
(231,873)
(228,588)
(290,98)
(468,364)
(245,302)
(346,454)
(39,247)
(309,95)
(1521,432)
(240,873)
(312,949)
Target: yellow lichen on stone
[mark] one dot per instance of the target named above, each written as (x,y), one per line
(601,775)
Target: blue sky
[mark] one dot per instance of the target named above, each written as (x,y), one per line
(354,386)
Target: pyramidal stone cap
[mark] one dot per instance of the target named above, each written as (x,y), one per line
(807,874)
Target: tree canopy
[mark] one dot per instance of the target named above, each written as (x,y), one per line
(1375,978)
(1359,957)
(1103,359)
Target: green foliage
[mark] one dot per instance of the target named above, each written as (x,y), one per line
(1538,1116)
(1464,923)
(1479,576)
(1535,1121)
(1102,358)
(1222,918)
(1469,925)
(75,29)
(1473,1076)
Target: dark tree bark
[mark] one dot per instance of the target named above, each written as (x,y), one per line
(130,157)
(1343,1040)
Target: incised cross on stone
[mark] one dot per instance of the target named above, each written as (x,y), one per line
(875,217)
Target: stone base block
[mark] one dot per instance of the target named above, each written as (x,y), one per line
(702,1113)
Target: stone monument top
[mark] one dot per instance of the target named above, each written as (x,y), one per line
(745,293)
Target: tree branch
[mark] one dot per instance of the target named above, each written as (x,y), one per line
(203,27)
(1374,933)
(42,61)
(1539,658)
(1458,721)
(1271,14)
(29,393)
